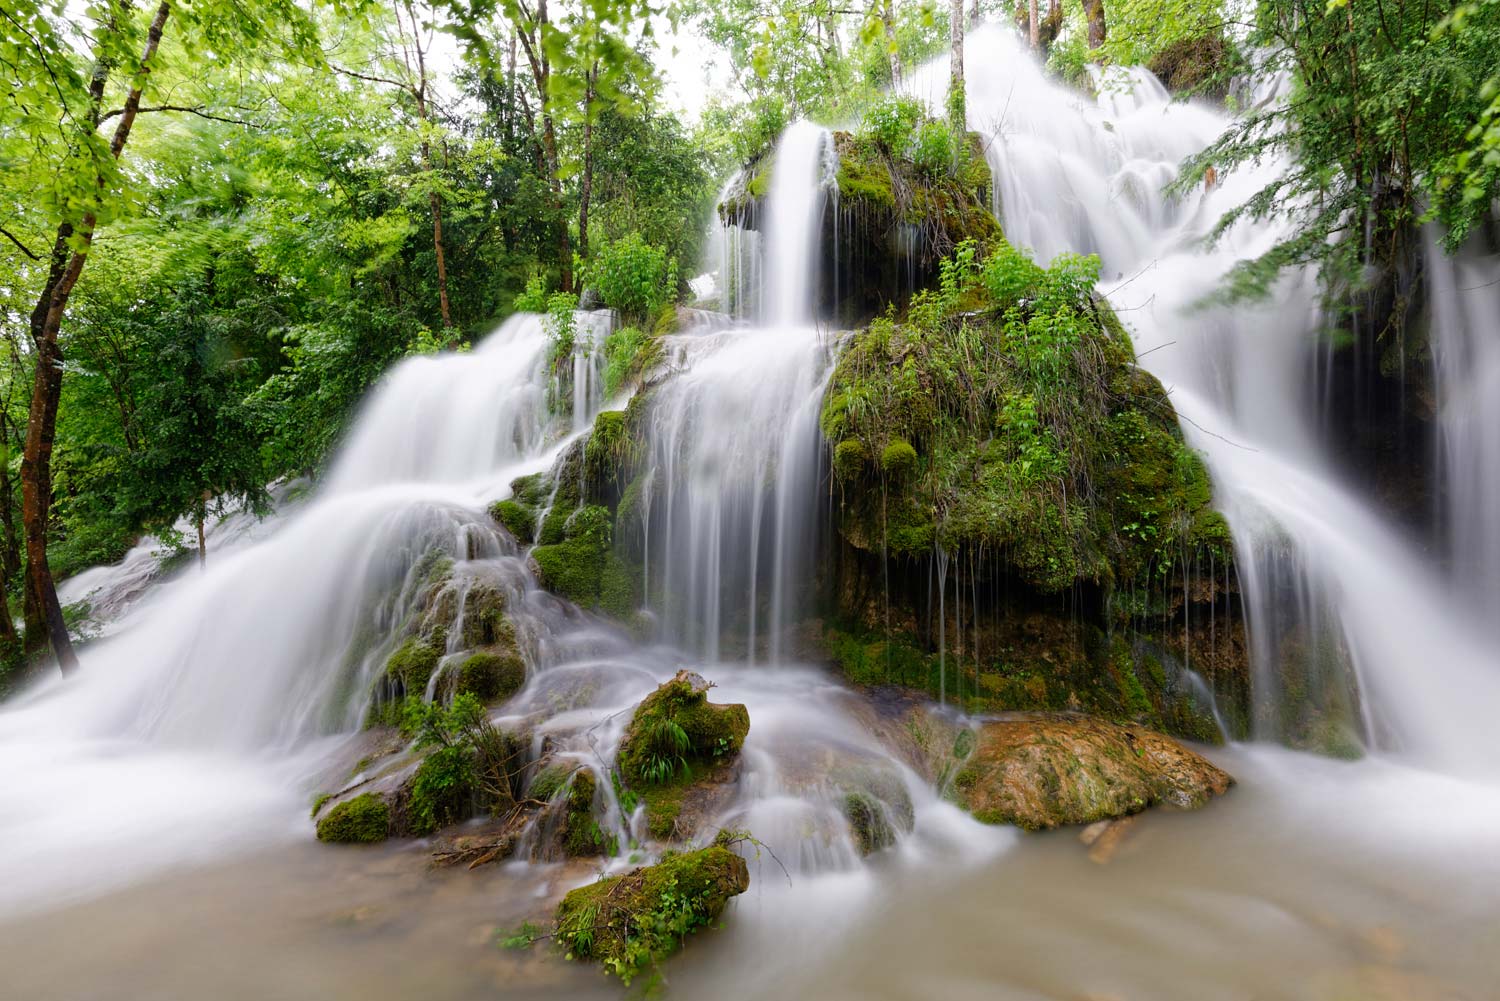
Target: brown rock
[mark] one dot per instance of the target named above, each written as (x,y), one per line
(1039,771)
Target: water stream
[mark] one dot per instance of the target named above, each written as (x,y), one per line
(157,804)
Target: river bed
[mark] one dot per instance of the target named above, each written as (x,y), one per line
(1313,879)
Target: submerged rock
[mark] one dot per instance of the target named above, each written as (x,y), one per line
(634,921)
(1039,772)
(679,753)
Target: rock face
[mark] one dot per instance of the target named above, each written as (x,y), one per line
(679,753)
(631,922)
(1043,771)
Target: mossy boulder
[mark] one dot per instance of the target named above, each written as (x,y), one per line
(412,664)
(632,922)
(491,675)
(362,820)
(709,732)
(518,519)
(1043,771)
(678,753)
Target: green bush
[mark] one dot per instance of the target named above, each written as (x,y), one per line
(534,298)
(932,148)
(892,122)
(633,276)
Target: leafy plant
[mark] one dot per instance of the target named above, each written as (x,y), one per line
(633,276)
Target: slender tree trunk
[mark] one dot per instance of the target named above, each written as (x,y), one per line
(888,20)
(202,542)
(974,14)
(541,74)
(41,427)
(434,202)
(1035,34)
(586,183)
(957,118)
(1093,10)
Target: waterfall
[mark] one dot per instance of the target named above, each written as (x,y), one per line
(1340,606)
(1464,296)
(734,435)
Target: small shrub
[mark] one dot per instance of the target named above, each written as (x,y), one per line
(633,276)
(932,149)
(892,122)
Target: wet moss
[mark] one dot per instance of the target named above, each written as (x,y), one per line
(867,823)
(550,780)
(519,520)
(490,676)
(442,791)
(412,664)
(899,458)
(678,722)
(632,922)
(361,820)
(582,836)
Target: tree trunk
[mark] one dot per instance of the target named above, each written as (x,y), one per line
(974,14)
(586,183)
(957,118)
(202,543)
(1093,10)
(1035,33)
(419,93)
(41,427)
(888,20)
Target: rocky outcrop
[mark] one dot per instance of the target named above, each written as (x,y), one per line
(630,923)
(1044,771)
(1021,523)
(679,754)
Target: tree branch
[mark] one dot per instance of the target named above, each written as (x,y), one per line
(178,107)
(21,246)
(368,79)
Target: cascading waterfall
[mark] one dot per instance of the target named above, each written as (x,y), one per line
(734,439)
(1336,599)
(1464,293)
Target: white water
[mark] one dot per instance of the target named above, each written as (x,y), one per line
(1316,562)
(195,732)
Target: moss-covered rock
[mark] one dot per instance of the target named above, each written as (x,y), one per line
(632,922)
(362,820)
(678,752)
(581,834)
(518,519)
(676,724)
(491,675)
(1040,772)
(412,664)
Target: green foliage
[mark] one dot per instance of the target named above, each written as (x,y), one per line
(665,744)
(933,149)
(472,765)
(519,520)
(628,354)
(676,727)
(633,277)
(893,123)
(442,791)
(361,820)
(631,923)
(1079,473)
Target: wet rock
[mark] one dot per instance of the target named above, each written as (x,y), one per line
(1043,771)
(679,753)
(362,820)
(630,923)
(582,836)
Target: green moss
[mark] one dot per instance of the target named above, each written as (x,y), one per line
(550,780)
(519,521)
(582,835)
(584,568)
(531,491)
(849,458)
(867,822)
(318,802)
(630,923)
(490,676)
(710,732)
(898,459)
(412,664)
(361,820)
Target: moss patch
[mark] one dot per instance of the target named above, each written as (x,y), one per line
(630,923)
(490,676)
(519,520)
(362,820)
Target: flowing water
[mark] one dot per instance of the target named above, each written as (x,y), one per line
(154,839)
